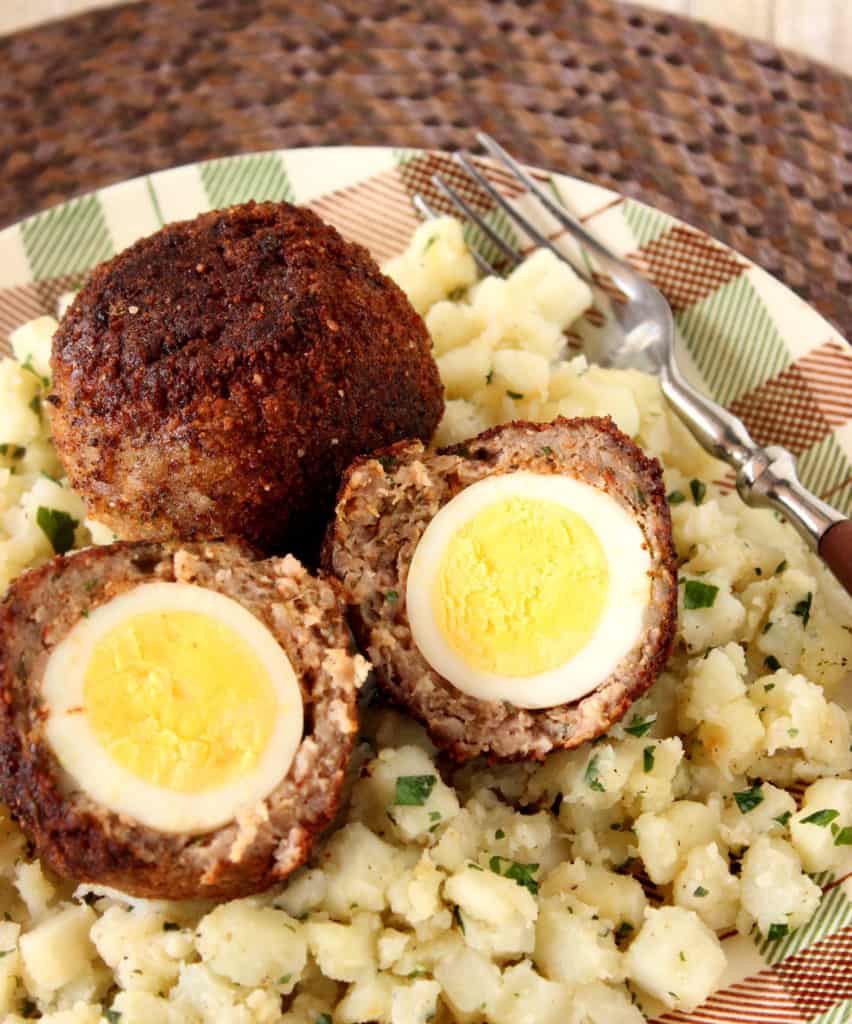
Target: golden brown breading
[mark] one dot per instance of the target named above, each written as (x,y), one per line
(216,378)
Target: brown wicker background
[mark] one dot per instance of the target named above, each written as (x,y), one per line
(747,142)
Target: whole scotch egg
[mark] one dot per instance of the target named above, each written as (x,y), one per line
(175,720)
(516,593)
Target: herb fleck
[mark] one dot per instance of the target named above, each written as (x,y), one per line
(844,837)
(699,891)
(777,931)
(388,463)
(782,819)
(284,979)
(392,595)
(170,926)
(676,498)
(591,777)
(699,595)
(640,726)
(58,527)
(499,834)
(514,394)
(781,567)
(698,489)
(413,790)
(748,799)
(623,930)
(772,663)
(518,872)
(457,917)
(822,818)
(648,759)
(803,608)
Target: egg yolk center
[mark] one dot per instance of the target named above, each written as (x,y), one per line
(180,700)
(521,587)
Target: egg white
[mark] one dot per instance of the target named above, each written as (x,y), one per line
(111,784)
(621,622)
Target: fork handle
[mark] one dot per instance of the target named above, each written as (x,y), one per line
(835,547)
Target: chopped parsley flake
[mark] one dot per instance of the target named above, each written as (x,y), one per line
(323,1018)
(591,777)
(782,819)
(518,872)
(699,595)
(676,498)
(641,500)
(170,926)
(772,663)
(35,404)
(767,626)
(822,818)
(803,608)
(388,462)
(781,567)
(514,394)
(457,917)
(413,790)
(556,806)
(699,891)
(748,799)
(698,489)
(648,759)
(546,450)
(284,979)
(623,930)
(499,834)
(777,931)
(640,726)
(844,837)
(392,595)
(58,527)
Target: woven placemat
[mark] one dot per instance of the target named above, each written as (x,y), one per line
(750,143)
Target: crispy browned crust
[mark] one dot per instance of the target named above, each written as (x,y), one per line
(384,505)
(82,840)
(216,378)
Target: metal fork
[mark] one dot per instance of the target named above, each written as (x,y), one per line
(764,476)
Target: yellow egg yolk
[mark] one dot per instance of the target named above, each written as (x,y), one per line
(180,700)
(521,587)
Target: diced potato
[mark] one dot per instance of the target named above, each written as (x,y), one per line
(31,344)
(469,982)
(345,952)
(359,867)
(769,817)
(606,1004)
(524,373)
(390,799)
(571,947)
(135,943)
(461,420)
(415,895)
(367,1000)
(496,913)
(675,958)
(414,1003)
(253,945)
(58,949)
(304,892)
(617,899)
(140,1007)
(817,828)
(665,839)
(705,885)
(774,889)
(525,997)
(35,889)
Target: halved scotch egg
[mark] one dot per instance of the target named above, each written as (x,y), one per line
(516,593)
(175,720)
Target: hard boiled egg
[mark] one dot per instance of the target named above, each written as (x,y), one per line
(528,588)
(173,705)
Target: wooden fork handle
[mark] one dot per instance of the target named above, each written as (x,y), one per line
(835,548)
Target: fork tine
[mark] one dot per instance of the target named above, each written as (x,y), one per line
(512,255)
(572,226)
(510,211)
(429,213)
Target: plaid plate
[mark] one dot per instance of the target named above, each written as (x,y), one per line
(743,337)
